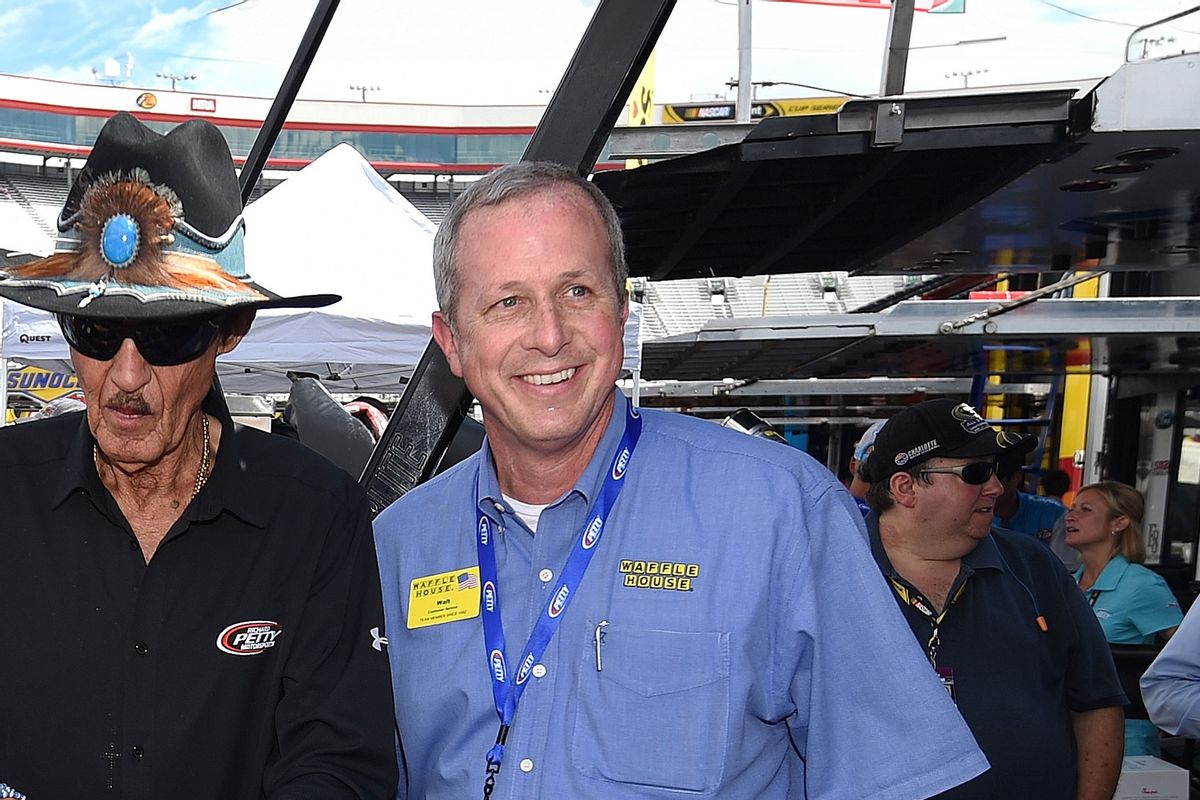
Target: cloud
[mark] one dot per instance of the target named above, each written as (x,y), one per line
(483,51)
(12,22)
(165,27)
(449,52)
(842,48)
(71,74)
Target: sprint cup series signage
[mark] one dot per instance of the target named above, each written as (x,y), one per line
(679,113)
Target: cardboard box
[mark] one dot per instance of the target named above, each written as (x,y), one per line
(1149,777)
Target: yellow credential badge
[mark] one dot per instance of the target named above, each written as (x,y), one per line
(448,597)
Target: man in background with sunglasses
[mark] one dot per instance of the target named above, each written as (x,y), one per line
(1001,621)
(189,605)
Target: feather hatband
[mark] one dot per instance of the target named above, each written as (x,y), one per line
(129,232)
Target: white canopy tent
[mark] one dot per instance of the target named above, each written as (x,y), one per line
(334,226)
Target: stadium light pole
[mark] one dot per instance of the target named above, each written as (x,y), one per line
(364,90)
(172,77)
(966,75)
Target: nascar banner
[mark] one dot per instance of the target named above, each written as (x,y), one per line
(677,113)
(931,6)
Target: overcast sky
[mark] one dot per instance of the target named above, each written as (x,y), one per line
(514,51)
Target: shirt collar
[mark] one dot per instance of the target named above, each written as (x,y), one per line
(586,486)
(1110,576)
(79,468)
(227,487)
(985,555)
(223,490)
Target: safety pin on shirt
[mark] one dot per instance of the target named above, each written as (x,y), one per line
(599,639)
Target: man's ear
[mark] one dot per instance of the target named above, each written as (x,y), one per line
(233,329)
(443,334)
(903,488)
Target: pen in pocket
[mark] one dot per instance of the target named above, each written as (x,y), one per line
(599,638)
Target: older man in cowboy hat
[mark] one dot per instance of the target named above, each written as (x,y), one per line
(188,604)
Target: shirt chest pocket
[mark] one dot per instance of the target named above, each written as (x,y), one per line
(656,713)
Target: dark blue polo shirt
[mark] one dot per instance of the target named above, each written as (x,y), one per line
(1015,684)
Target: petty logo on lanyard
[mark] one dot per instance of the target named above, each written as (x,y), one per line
(507,687)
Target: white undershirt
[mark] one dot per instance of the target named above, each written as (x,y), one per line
(528,512)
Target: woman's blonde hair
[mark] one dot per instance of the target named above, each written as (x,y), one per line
(1123,501)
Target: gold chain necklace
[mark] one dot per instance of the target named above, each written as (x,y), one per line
(201,474)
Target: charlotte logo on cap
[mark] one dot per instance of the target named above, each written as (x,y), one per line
(921,449)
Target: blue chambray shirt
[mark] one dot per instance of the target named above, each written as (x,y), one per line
(780,669)
(1171,687)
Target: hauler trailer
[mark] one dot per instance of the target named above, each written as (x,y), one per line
(1047,183)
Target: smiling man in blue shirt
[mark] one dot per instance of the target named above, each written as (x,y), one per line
(611,604)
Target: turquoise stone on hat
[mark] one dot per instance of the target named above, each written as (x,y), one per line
(119,240)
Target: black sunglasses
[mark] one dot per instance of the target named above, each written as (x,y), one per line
(976,473)
(161,343)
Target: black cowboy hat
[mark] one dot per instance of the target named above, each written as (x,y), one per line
(151,229)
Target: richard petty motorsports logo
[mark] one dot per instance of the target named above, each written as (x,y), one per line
(249,638)
(665,575)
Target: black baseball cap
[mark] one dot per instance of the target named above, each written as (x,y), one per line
(938,428)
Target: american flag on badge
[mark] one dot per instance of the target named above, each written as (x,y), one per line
(468,580)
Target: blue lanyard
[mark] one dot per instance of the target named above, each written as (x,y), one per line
(507,687)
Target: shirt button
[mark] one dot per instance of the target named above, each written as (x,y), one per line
(500,507)
(526,765)
(137,751)
(546,575)
(539,670)
(133,545)
(141,649)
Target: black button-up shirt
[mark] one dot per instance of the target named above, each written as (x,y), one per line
(244,661)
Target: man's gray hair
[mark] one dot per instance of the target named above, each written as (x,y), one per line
(506,183)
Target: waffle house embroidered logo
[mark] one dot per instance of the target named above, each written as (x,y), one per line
(671,576)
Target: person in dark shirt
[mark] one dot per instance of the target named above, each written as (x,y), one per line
(1054,484)
(1001,621)
(191,608)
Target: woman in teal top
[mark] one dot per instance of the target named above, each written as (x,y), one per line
(1132,602)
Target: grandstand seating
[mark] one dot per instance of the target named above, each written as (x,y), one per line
(48,191)
(684,306)
(29,207)
(433,206)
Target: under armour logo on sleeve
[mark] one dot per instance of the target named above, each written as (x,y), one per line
(380,641)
